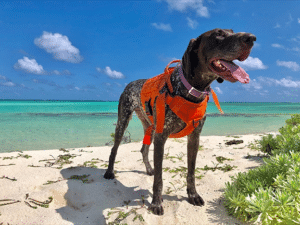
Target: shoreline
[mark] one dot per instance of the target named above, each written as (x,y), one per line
(79,199)
(134,141)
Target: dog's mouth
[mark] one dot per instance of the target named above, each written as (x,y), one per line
(228,70)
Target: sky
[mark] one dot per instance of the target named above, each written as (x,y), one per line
(90,50)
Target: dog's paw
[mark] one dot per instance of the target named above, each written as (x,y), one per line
(109,175)
(196,200)
(157,209)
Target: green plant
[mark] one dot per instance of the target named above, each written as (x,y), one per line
(270,194)
(268,144)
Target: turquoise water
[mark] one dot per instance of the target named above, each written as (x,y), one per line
(41,125)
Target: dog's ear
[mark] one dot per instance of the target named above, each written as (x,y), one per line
(190,58)
(220,80)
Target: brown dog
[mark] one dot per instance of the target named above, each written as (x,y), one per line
(207,58)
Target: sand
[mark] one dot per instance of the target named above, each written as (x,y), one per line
(95,200)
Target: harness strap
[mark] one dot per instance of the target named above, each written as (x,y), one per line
(196,112)
(216,101)
(160,112)
(148,135)
(189,112)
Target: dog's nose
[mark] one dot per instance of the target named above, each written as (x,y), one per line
(248,39)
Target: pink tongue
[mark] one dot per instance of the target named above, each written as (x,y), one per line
(238,73)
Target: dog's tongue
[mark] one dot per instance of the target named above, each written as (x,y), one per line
(237,73)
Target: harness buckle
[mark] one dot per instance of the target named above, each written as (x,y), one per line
(196,123)
(191,90)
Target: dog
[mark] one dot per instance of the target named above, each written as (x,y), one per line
(207,58)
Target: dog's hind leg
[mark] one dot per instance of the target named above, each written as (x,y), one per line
(124,115)
(145,148)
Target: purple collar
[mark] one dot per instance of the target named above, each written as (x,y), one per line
(192,91)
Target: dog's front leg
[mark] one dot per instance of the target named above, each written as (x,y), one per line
(159,143)
(192,150)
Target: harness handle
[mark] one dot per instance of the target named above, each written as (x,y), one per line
(170,70)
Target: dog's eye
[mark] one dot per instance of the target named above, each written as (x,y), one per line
(220,35)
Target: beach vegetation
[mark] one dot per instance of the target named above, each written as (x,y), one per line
(64,159)
(270,194)
(7,157)
(91,163)
(19,155)
(81,150)
(52,182)
(254,145)
(178,156)
(224,168)
(11,164)
(60,160)
(221,159)
(24,156)
(63,149)
(123,215)
(125,139)
(233,136)
(83,178)
(288,139)
(179,140)
(5,177)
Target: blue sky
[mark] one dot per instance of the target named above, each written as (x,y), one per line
(90,50)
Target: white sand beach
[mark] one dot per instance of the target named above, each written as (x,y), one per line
(24,180)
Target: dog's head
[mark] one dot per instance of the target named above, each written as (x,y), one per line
(212,53)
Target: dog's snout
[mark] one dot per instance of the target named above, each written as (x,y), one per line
(248,39)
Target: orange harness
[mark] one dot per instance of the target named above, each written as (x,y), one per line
(189,112)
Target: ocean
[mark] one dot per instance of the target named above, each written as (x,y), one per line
(42,125)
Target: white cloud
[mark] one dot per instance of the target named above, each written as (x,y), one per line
(289,64)
(56,72)
(296,39)
(2,77)
(59,46)
(29,66)
(298,20)
(290,20)
(64,72)
(264,92)
(111,73)
(251,64)
(288,83)
(218,90)
(277,25)
(296,49)
(166,59)
(162,26)
(287,93)
(277,46)
(192,23)
(119,85)
(183,5)
(253,84)
(284,82)
(9,84)
(256,45)
(77,88)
